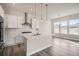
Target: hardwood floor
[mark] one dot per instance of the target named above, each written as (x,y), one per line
(60,47)
(16,50)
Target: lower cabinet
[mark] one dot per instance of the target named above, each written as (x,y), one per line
(15,50)
(38,43)
(12,37)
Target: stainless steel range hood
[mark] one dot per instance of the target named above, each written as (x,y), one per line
(25,23)
(26,18)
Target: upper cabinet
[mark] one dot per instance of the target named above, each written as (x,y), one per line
(13,21)
(1,11)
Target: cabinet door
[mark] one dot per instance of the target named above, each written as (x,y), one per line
(18,39)
(12,21)
(38,43)
(1,11)
(20,21)
(5,21)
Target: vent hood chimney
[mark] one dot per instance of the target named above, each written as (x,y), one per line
(25,23)
(26,20)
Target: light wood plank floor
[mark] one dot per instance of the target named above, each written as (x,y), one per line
(61,47)
(15,50)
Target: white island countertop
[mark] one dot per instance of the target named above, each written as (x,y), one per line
(35,43)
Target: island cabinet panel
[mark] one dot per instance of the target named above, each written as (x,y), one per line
(38,43)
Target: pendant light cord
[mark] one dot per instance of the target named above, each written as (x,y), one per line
(46,11)
(35,10)
(41,11)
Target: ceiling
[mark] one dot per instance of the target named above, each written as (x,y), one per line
(55,10)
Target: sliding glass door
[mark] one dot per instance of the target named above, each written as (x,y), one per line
(56,27)
(74,27)
(70,27)
(63,27)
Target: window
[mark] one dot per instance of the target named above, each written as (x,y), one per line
(56,27)
(74,27)
(63,27)
(70,27)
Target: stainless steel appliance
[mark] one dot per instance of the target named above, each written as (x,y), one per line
(1,36)
(26,20)
(1,29)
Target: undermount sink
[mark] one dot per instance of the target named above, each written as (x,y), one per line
(36,34)
(26,32)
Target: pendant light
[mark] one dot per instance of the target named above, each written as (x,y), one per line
(46,11)
(35,12)
(41,11)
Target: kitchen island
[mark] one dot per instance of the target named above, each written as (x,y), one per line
(35,43)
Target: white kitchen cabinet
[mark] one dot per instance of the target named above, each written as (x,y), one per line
(5,21)
(12,21)
(37,43)
(1,11)
(18,39)
(10,36)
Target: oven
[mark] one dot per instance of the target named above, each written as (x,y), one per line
(1,29)
(1,36)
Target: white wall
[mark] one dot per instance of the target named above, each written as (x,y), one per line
(59,10)
(45,27)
